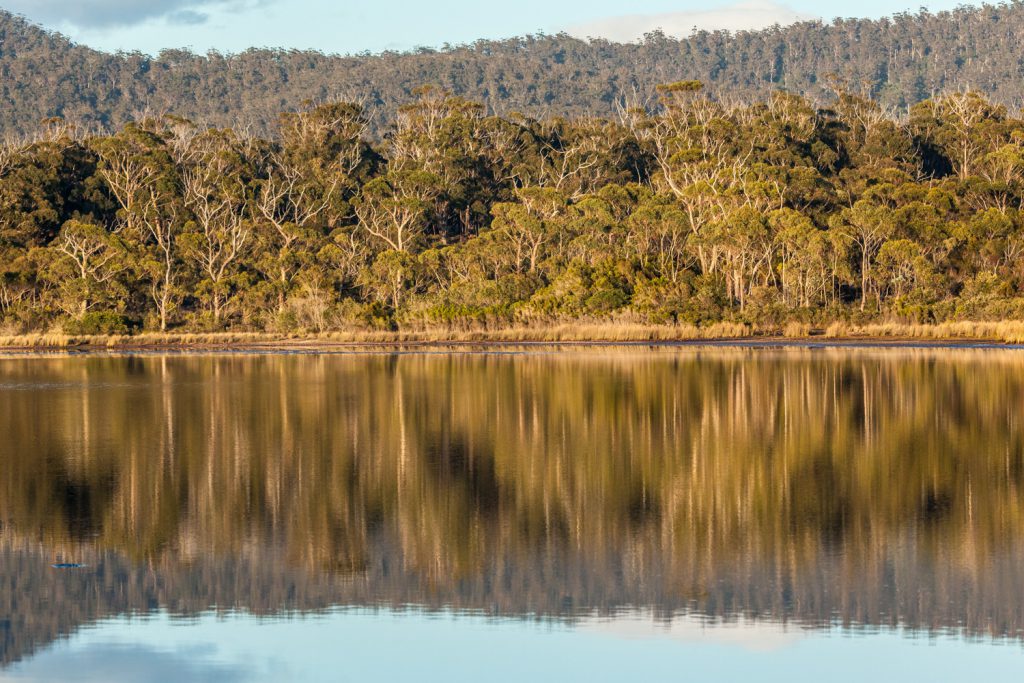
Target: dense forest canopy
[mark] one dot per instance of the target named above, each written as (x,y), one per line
(899,61)
(700,211)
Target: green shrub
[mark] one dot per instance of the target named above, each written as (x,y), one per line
(606,301)
(100,322)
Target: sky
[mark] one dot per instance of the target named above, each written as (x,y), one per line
(354,26)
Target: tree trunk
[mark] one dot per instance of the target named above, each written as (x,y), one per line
(281,299)
(863,279)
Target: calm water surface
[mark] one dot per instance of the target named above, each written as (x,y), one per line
(786,514)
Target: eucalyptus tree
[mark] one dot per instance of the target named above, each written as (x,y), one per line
(45,181)
(307,186)
(448,140)
(960,128)
(804,262)
(529,227)
(393,210)
(702,158)
(84,264)
(138,169)
(867,225)
(217,183)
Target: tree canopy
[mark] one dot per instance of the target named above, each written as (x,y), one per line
(696,210)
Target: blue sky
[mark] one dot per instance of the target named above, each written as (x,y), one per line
(351,26)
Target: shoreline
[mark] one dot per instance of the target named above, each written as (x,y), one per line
(1007,335)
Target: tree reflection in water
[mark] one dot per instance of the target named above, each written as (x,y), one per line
(866,488)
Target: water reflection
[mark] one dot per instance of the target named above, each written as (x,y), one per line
(864,489)
(361,645)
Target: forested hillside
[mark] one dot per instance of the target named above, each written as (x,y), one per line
(699,212)
(899,61)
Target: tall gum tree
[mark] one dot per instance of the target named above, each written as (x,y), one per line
(140,172)
(85,260)
(310,178)
(216,192)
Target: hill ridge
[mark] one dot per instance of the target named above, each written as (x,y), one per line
(900,60)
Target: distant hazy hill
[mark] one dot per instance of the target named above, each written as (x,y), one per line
(900,60)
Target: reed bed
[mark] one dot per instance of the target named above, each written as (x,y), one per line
(795,330)
(567,333)
(1009,332)
(1005,331)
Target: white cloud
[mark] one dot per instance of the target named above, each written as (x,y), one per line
(745,634)
(113,662)
(109,13)
(748,15)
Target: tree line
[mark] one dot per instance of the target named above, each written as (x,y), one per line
(694,211)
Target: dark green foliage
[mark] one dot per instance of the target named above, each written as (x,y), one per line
(102,322)
(696,212)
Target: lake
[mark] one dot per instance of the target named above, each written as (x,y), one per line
(596,514)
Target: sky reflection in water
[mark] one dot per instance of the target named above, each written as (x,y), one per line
(364,645)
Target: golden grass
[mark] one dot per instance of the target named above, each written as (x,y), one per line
(795,330)
(63,341)
(1005,331)
(567,333)
(1010,331)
